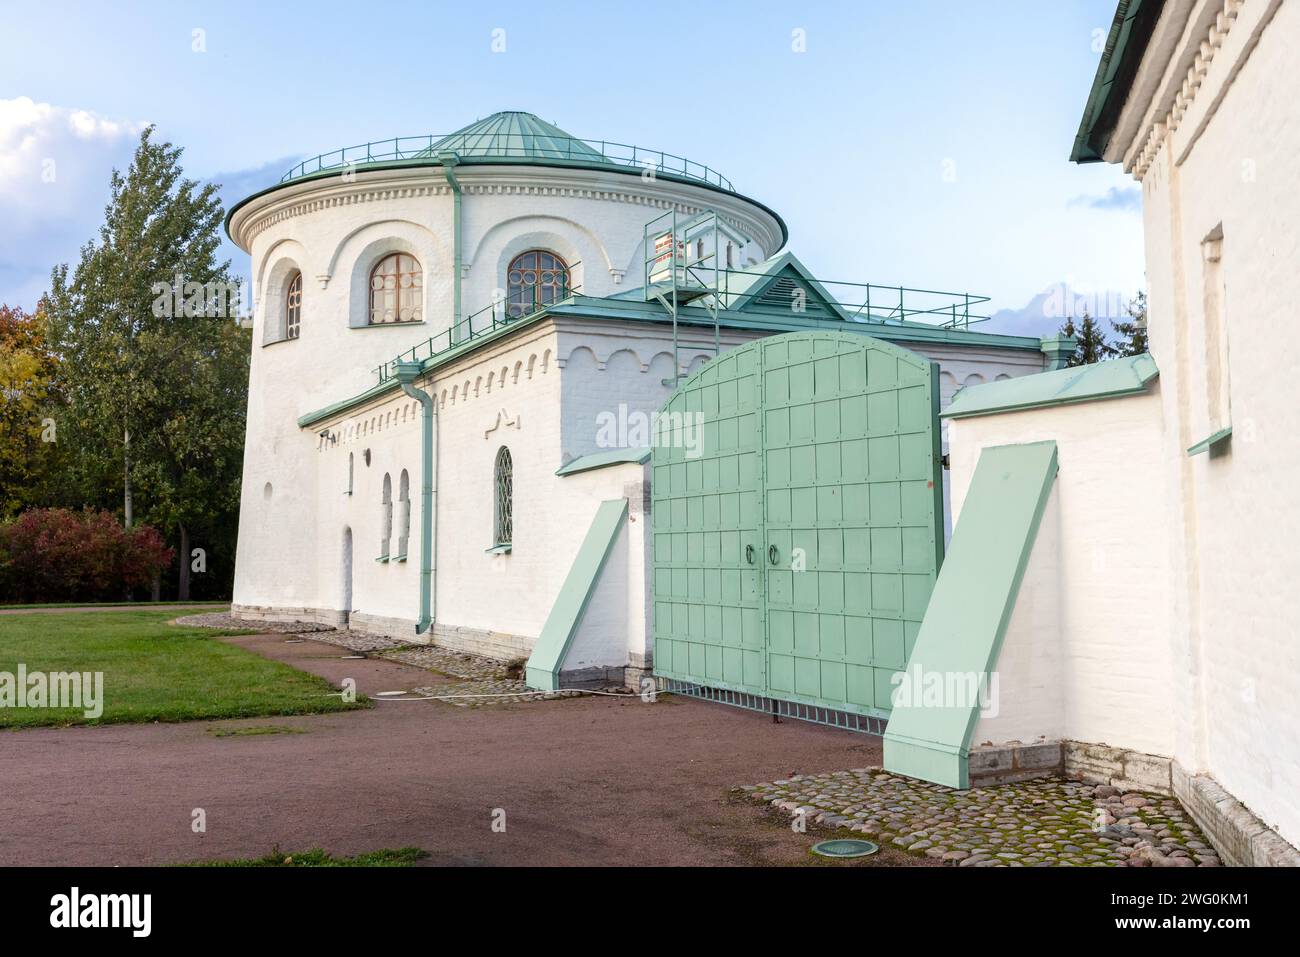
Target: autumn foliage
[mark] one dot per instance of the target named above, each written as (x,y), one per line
(58,555)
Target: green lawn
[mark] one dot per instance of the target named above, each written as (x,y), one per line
(114,604)
(401,857)
(153,671)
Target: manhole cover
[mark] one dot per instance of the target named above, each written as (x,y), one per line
(845,847)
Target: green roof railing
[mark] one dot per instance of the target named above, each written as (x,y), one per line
(496,315)
(861,301)
(503,147)
(856,301)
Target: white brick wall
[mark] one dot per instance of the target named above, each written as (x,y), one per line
(1231,163)
(1096,593)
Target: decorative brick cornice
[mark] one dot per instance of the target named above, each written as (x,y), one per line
(1162,129)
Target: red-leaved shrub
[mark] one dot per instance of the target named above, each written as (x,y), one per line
(56,555)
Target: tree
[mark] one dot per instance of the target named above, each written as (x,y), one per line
(158,366)
(28,400)
(1133,331)
(1091,341)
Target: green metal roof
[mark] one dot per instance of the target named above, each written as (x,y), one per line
(1112,379)
(509,138)
(1130,32)
(511,134)
(595,308)
(599,460)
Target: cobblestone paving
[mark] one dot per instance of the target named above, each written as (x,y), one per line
(455,664)
(495,680)
(354,640)
(223,620)
(1039,823)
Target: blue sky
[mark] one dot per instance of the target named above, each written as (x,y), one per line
(922,143)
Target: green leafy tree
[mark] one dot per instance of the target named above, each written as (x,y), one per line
(1092,345)
(29,411)
(157,365)
(1133,330)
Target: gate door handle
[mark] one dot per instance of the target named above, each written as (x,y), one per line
(749,554)
(772,554)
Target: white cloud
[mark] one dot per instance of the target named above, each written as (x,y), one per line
(55,163)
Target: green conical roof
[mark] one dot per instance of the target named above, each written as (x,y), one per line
(513,133)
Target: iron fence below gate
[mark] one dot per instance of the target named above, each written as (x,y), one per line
(845,720)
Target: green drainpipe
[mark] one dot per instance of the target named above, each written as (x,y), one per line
(406,373)
(449,159)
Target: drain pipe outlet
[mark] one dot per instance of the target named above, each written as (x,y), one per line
(406,373)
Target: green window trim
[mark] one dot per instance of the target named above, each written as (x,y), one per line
(382,559)
(501,549)
(1211,441)
(400,558)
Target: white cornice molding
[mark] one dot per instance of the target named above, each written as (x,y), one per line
(313,195)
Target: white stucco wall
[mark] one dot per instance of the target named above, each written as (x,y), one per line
(1099,581)
(1224,161)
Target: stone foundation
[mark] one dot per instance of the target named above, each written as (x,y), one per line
(1014,761)
(316,616)
(1118,767)
(497,645)
(1241,838)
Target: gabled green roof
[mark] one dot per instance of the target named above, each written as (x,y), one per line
(1111,379)
(772,285)
(512,134)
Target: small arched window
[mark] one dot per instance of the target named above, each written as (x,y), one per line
(535,279)
(293,306)
(386,517)
(504,484)
(403,515)
(396,290)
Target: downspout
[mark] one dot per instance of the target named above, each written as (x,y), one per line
(449,159)
(406,373)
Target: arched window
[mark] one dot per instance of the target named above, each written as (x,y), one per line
(535,278)
(396,290)
(505,488)
(350,464)
(386,517)
(403,514)
(293,306)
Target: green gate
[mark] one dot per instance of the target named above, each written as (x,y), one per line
(797,537)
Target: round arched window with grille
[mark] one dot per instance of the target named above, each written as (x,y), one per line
(396,290)
(535,279)
(293,307)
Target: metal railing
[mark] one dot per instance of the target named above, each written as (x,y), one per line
(496,315)
(866,302)
(504,146)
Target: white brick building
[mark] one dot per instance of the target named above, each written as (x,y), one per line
(507,261)
(1155,630)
